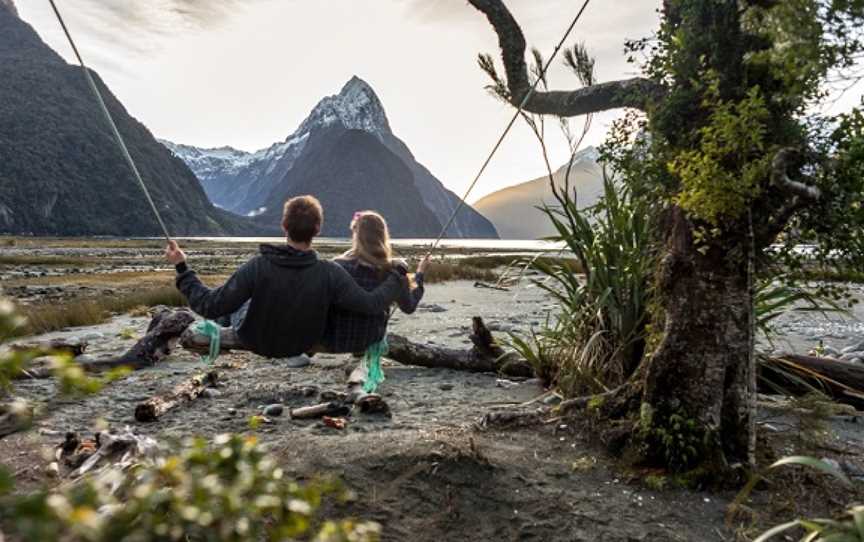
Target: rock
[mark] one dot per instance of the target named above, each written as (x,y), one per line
(445,387)
(859,347)
(431,307)
(93,336)
(853,470)
(833,462)
(52,470)
(831,351)
(298,362)
(210,393)
(273,410)
(84,359)
(552,399)
(849,356)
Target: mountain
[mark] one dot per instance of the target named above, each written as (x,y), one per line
(61,172)
(514,212)
(323,157)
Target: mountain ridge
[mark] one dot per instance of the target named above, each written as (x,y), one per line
(61,172)
(513,210)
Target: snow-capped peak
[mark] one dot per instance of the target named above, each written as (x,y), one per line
(356,107)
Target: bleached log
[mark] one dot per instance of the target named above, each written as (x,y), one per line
(185,392)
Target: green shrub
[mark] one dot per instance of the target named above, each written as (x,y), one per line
(598,338)
(230,491)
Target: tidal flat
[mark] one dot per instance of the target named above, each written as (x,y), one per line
(426,473)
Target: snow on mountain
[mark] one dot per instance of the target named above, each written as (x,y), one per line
(240,181)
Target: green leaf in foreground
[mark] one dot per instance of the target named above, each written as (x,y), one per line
(817,464)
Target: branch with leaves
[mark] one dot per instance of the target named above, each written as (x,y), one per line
(638,93)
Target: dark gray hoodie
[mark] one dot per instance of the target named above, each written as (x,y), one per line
(291,293)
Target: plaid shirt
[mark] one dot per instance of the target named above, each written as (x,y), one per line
(354,332)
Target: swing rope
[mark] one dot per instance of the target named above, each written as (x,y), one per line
(110,120)
(372,358)
(513,120)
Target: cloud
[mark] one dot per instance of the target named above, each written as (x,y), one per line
(135,25)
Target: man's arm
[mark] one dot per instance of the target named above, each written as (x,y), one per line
(350,296)
(212,303)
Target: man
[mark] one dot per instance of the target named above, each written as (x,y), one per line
(288,289)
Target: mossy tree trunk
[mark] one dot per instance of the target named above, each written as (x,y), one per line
(698,384)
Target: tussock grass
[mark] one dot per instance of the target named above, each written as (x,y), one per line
(51,317)
(517,261)
(445,270)
(24,259)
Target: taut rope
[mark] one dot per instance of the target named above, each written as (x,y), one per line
(110,120)
(518,112)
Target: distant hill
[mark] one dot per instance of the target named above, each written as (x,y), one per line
(61,172)
(344,153)
(514,212)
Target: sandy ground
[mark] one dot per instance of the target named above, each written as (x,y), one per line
(425,473)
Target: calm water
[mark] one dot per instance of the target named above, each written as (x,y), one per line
(476,244)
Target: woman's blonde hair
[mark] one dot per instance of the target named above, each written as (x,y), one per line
(370,240)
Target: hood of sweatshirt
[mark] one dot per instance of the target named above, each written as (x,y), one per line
(287,256)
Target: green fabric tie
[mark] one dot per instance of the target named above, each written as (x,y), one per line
(214,331)
(372,360)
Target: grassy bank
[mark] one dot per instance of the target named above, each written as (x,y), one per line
(53,317)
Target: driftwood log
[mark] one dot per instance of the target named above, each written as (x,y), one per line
(73,346)
(486,356)
(185,392)
(162,334)
(332,408)
(841,380)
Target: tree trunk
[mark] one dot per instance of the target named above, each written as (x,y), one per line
(699,385)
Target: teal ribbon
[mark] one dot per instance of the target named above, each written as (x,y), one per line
(372,360)
(214,332)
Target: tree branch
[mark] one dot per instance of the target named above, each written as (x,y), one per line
(799,195)
(637,93)
(780,177)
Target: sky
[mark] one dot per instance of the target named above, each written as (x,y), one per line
(245,73)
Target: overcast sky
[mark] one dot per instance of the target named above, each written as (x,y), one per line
(245,73)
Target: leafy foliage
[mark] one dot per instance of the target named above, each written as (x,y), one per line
(848,528)
(231,491)
(598,338)
(721,176)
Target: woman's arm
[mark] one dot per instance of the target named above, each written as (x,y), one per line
(409,299)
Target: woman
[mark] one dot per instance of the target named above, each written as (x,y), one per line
(369,262)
